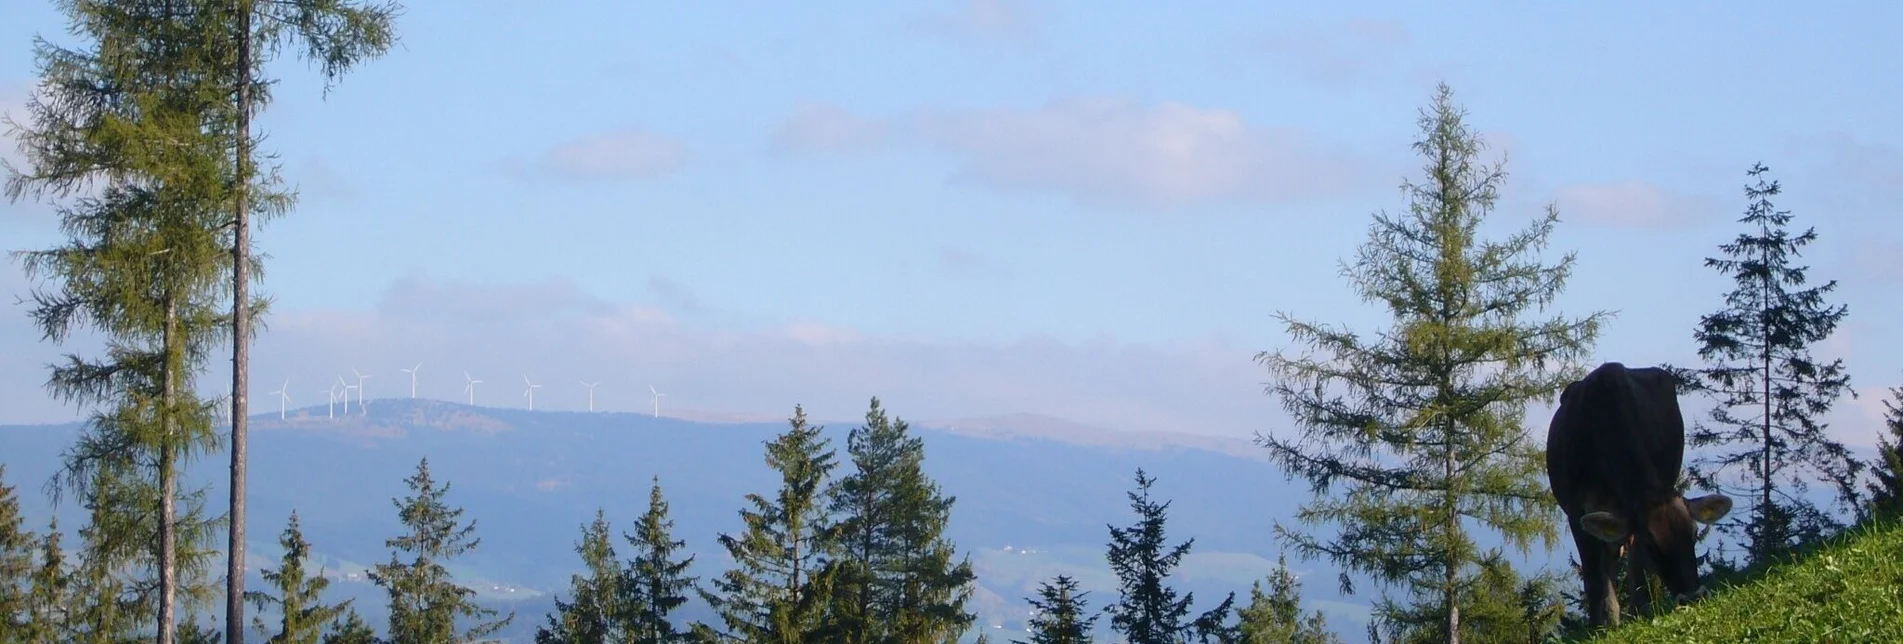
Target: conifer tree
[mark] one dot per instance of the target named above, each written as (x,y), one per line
(896,580)
(1275,617)
(780,588)
(424,601)
(350,629)
(17,547)
(656,581)
(1415,436)
(1497,604)
(48,593)
(132,120)
(594,602)
(1060,614)
(1147,610)
(302,613)
(1766,432)
(1886,492)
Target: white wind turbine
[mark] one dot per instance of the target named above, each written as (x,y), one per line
(412,371)
(530,392)
(360,378)
(591,393)
(284,397)
(347,387)
(333,400)
(470,388)
(657,400)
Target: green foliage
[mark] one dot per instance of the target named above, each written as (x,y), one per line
(350,630)
(1496,606)
(895,578)
(424,601)
(655,583)
(1060,614)
(595,601)
(47,593)
(1848,588)
(1415,436)
(17,547)
(1275,617)
(302,615)
(1886,492)
(1147,610)
(780,588)
(1766,431)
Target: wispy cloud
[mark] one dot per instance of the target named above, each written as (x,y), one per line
(625,154)
(1113,150)
(317,181)
(1014,22)
(1339,53)
(1638,204)
(824,127)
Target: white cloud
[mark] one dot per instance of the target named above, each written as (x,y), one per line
(1633,204)
(1109,150)
(824,127)
(1010,21)
(1339,53)
(620,154)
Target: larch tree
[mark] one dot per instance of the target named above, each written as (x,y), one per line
(1275,617)
(896,579)
(425,602)
(594,600)
(656,582)
(1886,491)
(780,589)
(299,600)
(17,549)
(1147,609)
(338,35)
(123,135)
(1060,614)
(1414,436)
(1765,432)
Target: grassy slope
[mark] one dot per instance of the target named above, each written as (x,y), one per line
(1850,590)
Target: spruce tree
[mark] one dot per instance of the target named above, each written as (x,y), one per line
(1147,610)
(48,593)
(424,601)
(1766,430)
(1886,492)
(1275,617)
(589,615)
(1497,605)
(1415,436)
(124,132)
(17,547)
(351,629)
(780,588)
(656,581)
(1060,614)
(896,578)
(302,613)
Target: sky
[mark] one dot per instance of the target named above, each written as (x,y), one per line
(1092,211)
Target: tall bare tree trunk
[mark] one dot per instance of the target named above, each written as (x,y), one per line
(240,336)
(1450,588)
(168,478)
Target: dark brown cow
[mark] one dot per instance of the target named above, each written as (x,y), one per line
(1613,455)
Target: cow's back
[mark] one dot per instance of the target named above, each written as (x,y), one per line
(1617,433)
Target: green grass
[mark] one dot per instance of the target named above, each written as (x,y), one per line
(1850,589)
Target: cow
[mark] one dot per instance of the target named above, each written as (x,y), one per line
(1613,455)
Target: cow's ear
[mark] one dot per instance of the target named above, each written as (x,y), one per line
(1709,508)
(1606,526)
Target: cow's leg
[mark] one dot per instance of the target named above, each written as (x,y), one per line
(1596,564)
(1638,585)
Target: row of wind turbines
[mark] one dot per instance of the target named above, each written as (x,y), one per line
(340,391)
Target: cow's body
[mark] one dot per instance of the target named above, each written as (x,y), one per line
(1613,455)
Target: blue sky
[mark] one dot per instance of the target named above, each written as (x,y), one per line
(1087,210)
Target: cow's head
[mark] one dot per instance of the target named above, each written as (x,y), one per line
(1665,537)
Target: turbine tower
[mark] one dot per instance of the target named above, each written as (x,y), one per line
(412,371)
(333,400)
(657,400)
(591,393)
(530,392)
(347,388)
(470,388)
(284,397)
(360,378)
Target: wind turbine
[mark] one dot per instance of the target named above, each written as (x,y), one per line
(470,388)
(412,371)
(591,393)
(347,388)
(284,397)
(530,392)
(657,400)
(333,400)
(360,378)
